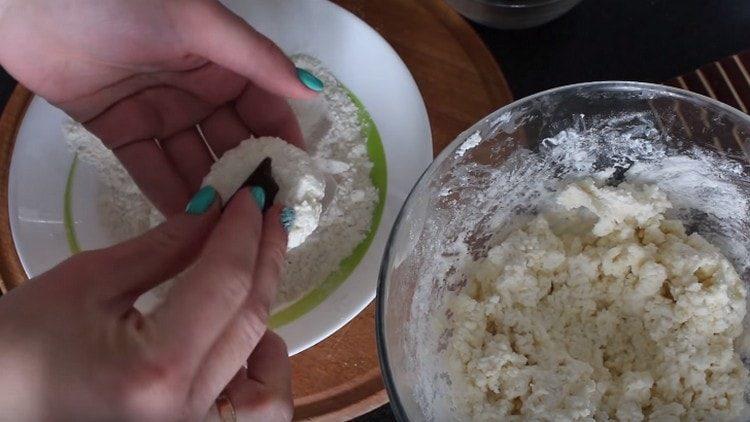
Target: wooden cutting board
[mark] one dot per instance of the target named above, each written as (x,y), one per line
(460,82)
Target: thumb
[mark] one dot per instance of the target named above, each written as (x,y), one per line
(125,271)
(214,32)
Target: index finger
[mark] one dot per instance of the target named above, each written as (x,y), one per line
(207,296)
(249,325)
(216,33)
(266,114)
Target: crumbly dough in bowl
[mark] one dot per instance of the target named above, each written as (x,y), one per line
(599,308)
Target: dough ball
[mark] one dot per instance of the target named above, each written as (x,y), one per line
(301,183)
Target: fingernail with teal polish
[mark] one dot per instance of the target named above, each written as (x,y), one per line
(201,201)
(310,80)
(287,218)
(259,195)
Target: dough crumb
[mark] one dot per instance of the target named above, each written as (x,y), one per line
(600,308)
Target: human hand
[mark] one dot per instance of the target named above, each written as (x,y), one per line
(138,70)
(72,347)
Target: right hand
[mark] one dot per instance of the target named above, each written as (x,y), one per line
(138,70)
(73,347)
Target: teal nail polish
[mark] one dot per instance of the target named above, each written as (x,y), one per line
(259,195)
(201,201)
(310,80)
(287,218)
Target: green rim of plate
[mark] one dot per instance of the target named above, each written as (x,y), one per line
(379,177)
(70,228)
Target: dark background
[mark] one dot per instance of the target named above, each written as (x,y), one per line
(646,40)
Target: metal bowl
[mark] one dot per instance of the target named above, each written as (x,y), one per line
(512,14)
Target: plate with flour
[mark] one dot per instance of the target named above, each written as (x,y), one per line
(371,145)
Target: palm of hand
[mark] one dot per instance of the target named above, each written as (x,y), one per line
(142,70)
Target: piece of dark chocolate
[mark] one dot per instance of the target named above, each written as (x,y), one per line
(263,177)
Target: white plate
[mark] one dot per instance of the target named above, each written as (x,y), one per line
(354,52)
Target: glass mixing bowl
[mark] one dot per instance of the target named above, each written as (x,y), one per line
(625,122)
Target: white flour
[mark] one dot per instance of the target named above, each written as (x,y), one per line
(301,184)
(121,205)
(336,142)
(477,205)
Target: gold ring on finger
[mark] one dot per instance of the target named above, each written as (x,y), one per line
(224,406)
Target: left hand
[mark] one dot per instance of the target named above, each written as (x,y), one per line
(137,70)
